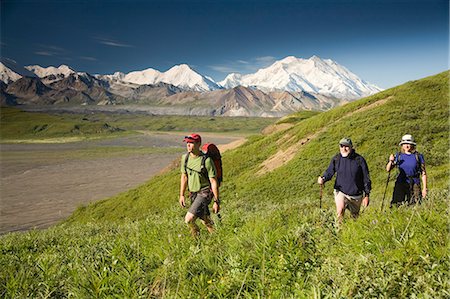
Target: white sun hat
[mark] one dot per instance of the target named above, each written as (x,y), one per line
(407,139)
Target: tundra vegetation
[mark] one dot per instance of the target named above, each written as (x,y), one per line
(273,240)
(23,126)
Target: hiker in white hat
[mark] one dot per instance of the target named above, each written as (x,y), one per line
(411,165)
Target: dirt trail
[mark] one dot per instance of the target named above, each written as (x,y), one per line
(38,190)
(282,157)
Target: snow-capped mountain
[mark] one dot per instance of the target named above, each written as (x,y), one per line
(43,72)
(232,80)
(113,77)
(288,85)
(147,76)
(7,75)
(10,71)
(313,75)
(181,76)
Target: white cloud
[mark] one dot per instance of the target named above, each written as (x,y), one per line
(44,53)
(112,43)
(265,60)
(54,48)
(244,66)
(88,58)
(50,50)
(224,69)
(9,60)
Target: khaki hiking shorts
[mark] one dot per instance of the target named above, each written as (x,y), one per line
(200,201)
(352,202)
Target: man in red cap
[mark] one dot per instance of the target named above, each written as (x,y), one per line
(198,174)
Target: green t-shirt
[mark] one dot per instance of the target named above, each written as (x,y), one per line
(196,180)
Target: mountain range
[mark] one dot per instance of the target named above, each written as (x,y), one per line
(288,85)
(313,75)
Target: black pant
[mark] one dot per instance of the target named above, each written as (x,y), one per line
(405,193)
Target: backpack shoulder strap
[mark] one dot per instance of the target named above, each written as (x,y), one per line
(186,161)
(418,162)
(203,163)
(186,158)
(416,154)
(203,169)
(336,161)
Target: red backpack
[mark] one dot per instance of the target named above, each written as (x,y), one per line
(211,150)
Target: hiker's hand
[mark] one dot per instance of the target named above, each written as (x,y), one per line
(320,180)
(365,201)
(182,201)
(216,208)
(392,158)
(424,192)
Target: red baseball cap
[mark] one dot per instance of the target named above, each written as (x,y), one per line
(192,138)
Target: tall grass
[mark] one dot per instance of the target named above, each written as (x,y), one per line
(288,250)
(273,240)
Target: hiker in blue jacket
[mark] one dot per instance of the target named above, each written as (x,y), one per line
(352,186)
(411,166)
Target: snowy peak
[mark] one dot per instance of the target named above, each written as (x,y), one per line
(181,68)
(185,77)
(10,71)
(314,75)
(147,76)
(182,76)
(231,80)
(113,77)
(291,59)
(7,75)
(291,74)
(62,71)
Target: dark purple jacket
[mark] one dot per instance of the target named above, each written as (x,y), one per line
(352,174)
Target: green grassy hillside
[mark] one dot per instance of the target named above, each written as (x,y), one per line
(273,240)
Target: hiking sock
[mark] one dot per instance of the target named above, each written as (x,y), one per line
(195,230)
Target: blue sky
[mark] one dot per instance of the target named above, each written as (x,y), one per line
(385,42)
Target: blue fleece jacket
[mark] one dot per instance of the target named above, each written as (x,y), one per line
(352,174)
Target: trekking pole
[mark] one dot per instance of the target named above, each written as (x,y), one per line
(320,197)
(387,182)
(385,189)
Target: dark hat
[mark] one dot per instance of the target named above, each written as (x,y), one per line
(346,142)
(192,138)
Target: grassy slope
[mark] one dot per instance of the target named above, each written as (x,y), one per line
(273,240)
